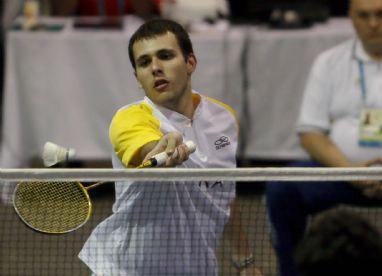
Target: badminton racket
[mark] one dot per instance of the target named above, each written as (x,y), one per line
(60,207)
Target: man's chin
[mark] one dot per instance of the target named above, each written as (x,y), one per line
(163,97)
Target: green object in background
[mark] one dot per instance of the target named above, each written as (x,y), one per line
(39,27)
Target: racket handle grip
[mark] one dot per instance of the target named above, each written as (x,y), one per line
(160,158)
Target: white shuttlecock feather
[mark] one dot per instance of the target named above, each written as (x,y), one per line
(53,154)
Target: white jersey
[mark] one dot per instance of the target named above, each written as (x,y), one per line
(168,228)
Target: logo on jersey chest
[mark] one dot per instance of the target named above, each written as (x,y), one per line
(222,142)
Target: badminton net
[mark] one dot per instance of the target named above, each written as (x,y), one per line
(25,251)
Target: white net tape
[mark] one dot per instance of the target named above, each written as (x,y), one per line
(180,174)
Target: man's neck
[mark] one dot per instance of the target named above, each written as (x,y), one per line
(184,106)
(374,55)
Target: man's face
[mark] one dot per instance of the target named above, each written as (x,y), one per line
(367,20)
(162,71)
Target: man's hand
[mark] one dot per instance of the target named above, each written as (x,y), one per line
(172,144)
(374,192)
(370,188)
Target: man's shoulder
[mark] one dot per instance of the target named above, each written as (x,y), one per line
(217,104)
(336,54)
(134,113)
(219,111)
(138,107)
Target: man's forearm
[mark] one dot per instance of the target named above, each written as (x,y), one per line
(323,150)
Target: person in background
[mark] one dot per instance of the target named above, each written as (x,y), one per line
(340,242)
(142,8)
(344,85)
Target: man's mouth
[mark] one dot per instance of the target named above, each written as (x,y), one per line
(161,84)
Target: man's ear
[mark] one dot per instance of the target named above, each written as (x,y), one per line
(191,63)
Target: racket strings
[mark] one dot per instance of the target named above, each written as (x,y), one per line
(52,207)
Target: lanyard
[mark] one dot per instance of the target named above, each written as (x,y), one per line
(361,72)
(102,10)
(362,80)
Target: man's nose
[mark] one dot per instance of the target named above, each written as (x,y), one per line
(374,21)
(156,66)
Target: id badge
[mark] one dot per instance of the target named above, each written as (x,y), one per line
(370,128)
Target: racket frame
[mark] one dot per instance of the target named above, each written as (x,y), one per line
(84,191)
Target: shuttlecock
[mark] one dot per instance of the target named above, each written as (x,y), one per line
(53,154)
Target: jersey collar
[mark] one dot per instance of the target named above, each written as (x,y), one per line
(178,117)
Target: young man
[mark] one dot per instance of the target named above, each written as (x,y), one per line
(339,126)
(170,228)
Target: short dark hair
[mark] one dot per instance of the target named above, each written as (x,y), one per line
(157,27)
(340,242)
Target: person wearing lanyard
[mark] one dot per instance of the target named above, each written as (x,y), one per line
(143,8)
(340,125)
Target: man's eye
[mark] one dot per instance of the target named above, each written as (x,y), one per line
(165,56)
(143,63)
(363,15)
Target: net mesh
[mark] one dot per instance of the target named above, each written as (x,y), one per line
(27,252)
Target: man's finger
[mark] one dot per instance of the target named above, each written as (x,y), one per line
(173,139)
(182,152)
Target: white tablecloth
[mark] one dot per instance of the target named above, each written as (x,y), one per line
(65,86)
(278,63)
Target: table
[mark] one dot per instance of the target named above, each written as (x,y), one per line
(65,86)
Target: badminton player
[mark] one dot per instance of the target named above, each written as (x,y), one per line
(166,228)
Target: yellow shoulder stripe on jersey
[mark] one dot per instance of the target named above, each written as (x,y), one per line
(131,129)
(226,106)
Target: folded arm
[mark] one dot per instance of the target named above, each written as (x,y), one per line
(323,150)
